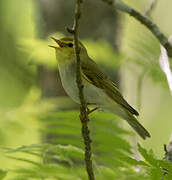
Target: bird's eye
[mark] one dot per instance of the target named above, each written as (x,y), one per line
(70,44)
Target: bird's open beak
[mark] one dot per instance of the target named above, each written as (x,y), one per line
(58,42)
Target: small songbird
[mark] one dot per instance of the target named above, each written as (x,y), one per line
(98,90)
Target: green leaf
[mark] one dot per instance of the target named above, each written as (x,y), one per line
(156,174)
(148,156)
(2,174)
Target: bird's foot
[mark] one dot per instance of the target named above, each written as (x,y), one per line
(92,110)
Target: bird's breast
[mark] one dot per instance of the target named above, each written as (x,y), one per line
(68,78)
(92,94)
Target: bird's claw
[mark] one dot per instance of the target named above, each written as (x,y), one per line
(92,110)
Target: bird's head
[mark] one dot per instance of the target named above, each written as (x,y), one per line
(65,52)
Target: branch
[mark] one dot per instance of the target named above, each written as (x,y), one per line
(139,89)
(83,106)
(118,4)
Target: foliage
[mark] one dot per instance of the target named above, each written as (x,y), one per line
(145,53)
(63,159)
(22,107)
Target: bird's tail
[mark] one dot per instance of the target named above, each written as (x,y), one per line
(132,121)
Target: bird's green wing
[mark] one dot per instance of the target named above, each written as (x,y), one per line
(98,78)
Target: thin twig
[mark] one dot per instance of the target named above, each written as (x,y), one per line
(138,103)
(150,8)
(118,4)
(139,89)
(83,106)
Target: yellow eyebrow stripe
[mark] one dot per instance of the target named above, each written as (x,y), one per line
(66,42)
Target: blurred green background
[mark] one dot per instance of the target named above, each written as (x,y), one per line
(30,85)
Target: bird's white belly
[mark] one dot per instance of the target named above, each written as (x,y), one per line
(92,94)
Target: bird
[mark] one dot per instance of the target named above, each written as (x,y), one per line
(99,90)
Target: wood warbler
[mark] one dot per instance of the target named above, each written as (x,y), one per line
(98,89)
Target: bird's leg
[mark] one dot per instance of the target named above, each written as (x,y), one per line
(92,110)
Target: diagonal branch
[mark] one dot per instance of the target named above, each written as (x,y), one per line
(83,106)
(118,4)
